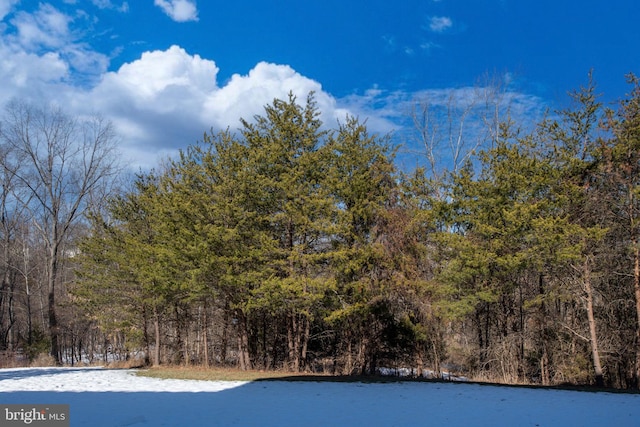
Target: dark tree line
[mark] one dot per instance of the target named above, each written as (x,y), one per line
(290,246)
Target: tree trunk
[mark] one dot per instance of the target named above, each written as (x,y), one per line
(51,307)
(636,287)
(265,354)
(542,326)
(595,352)
(419,362)
(297,334)
(205,330)
(436,360)
(305,341)
(225,335)
(245,347)
(294,338)
(243,342)
(241,360)
(544,366)
(145,333)
(156,327)
(362,358)
(348,365)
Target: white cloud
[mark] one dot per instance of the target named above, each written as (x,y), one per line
(166,99)
(6,6)
(179,10)
(45,37)
(47,27)
(439,24)
(109,4)
(41,54)
(29,75)
(159,72)
(249,93)
(428,46)
(159,103)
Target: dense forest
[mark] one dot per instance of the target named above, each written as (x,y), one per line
(288,245)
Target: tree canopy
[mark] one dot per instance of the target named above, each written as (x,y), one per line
(290,245)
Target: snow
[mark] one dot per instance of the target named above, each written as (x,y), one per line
(104,397)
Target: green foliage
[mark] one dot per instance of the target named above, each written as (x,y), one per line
(38,346)
(307,239)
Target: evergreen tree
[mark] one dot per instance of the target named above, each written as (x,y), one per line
(362,182)
(287,163)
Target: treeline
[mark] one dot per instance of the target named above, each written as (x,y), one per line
(289,246)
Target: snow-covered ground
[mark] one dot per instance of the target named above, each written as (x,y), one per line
(103,397)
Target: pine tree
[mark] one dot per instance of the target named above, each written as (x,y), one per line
(362,183)
(287,166)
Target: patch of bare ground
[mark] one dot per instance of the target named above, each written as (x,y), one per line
(218,374)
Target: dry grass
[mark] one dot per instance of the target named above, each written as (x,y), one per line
(217,374)
(10,359)
(126,364)
(231,374)
(43,361)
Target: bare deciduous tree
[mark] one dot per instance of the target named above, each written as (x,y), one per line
(65,162)
(452,125)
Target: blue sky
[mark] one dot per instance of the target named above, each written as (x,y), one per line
(165,71)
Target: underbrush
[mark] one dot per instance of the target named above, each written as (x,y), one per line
(20,360)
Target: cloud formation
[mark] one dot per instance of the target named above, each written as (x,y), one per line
(160,102)
(167,98)
(439,24)
(47,28)
(108,4)
(6,6)
(179,10)
(41,53)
